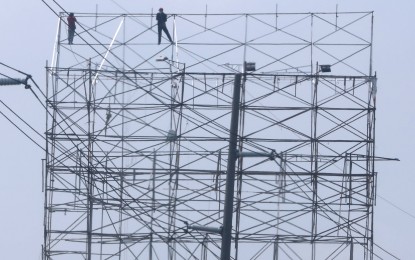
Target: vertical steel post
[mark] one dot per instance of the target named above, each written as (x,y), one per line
(45,215)
(89,177)
(370,151)
(153,204)
(314,164)
(230,172)
(122,176)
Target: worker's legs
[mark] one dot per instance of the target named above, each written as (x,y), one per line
(71,34)
(162,27)
(167,33)
(159,31)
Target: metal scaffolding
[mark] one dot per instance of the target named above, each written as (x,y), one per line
(138,137)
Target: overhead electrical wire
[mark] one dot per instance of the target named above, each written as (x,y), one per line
(21,130)
(396,206)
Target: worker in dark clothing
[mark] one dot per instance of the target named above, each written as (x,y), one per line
(71,27)
(161,24)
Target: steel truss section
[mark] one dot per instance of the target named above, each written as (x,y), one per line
(137,149)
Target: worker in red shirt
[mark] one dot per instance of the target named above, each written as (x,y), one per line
(71,27)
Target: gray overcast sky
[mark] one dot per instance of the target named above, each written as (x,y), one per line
(27,35)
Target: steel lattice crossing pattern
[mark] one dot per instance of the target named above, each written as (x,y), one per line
(137,149)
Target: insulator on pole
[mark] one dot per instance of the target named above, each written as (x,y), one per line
(12,81)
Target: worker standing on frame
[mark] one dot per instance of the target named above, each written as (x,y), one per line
(161,18)
(71,27)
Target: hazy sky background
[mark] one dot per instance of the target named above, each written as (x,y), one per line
(28,29)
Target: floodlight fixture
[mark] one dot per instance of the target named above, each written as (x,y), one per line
(162,58)
(325,68)
(250,66)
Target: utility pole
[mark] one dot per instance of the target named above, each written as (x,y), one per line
(230,172)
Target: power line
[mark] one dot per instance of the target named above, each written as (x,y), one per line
(397,207)
(21,130)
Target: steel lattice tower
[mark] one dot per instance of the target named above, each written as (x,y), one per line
(138,137)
